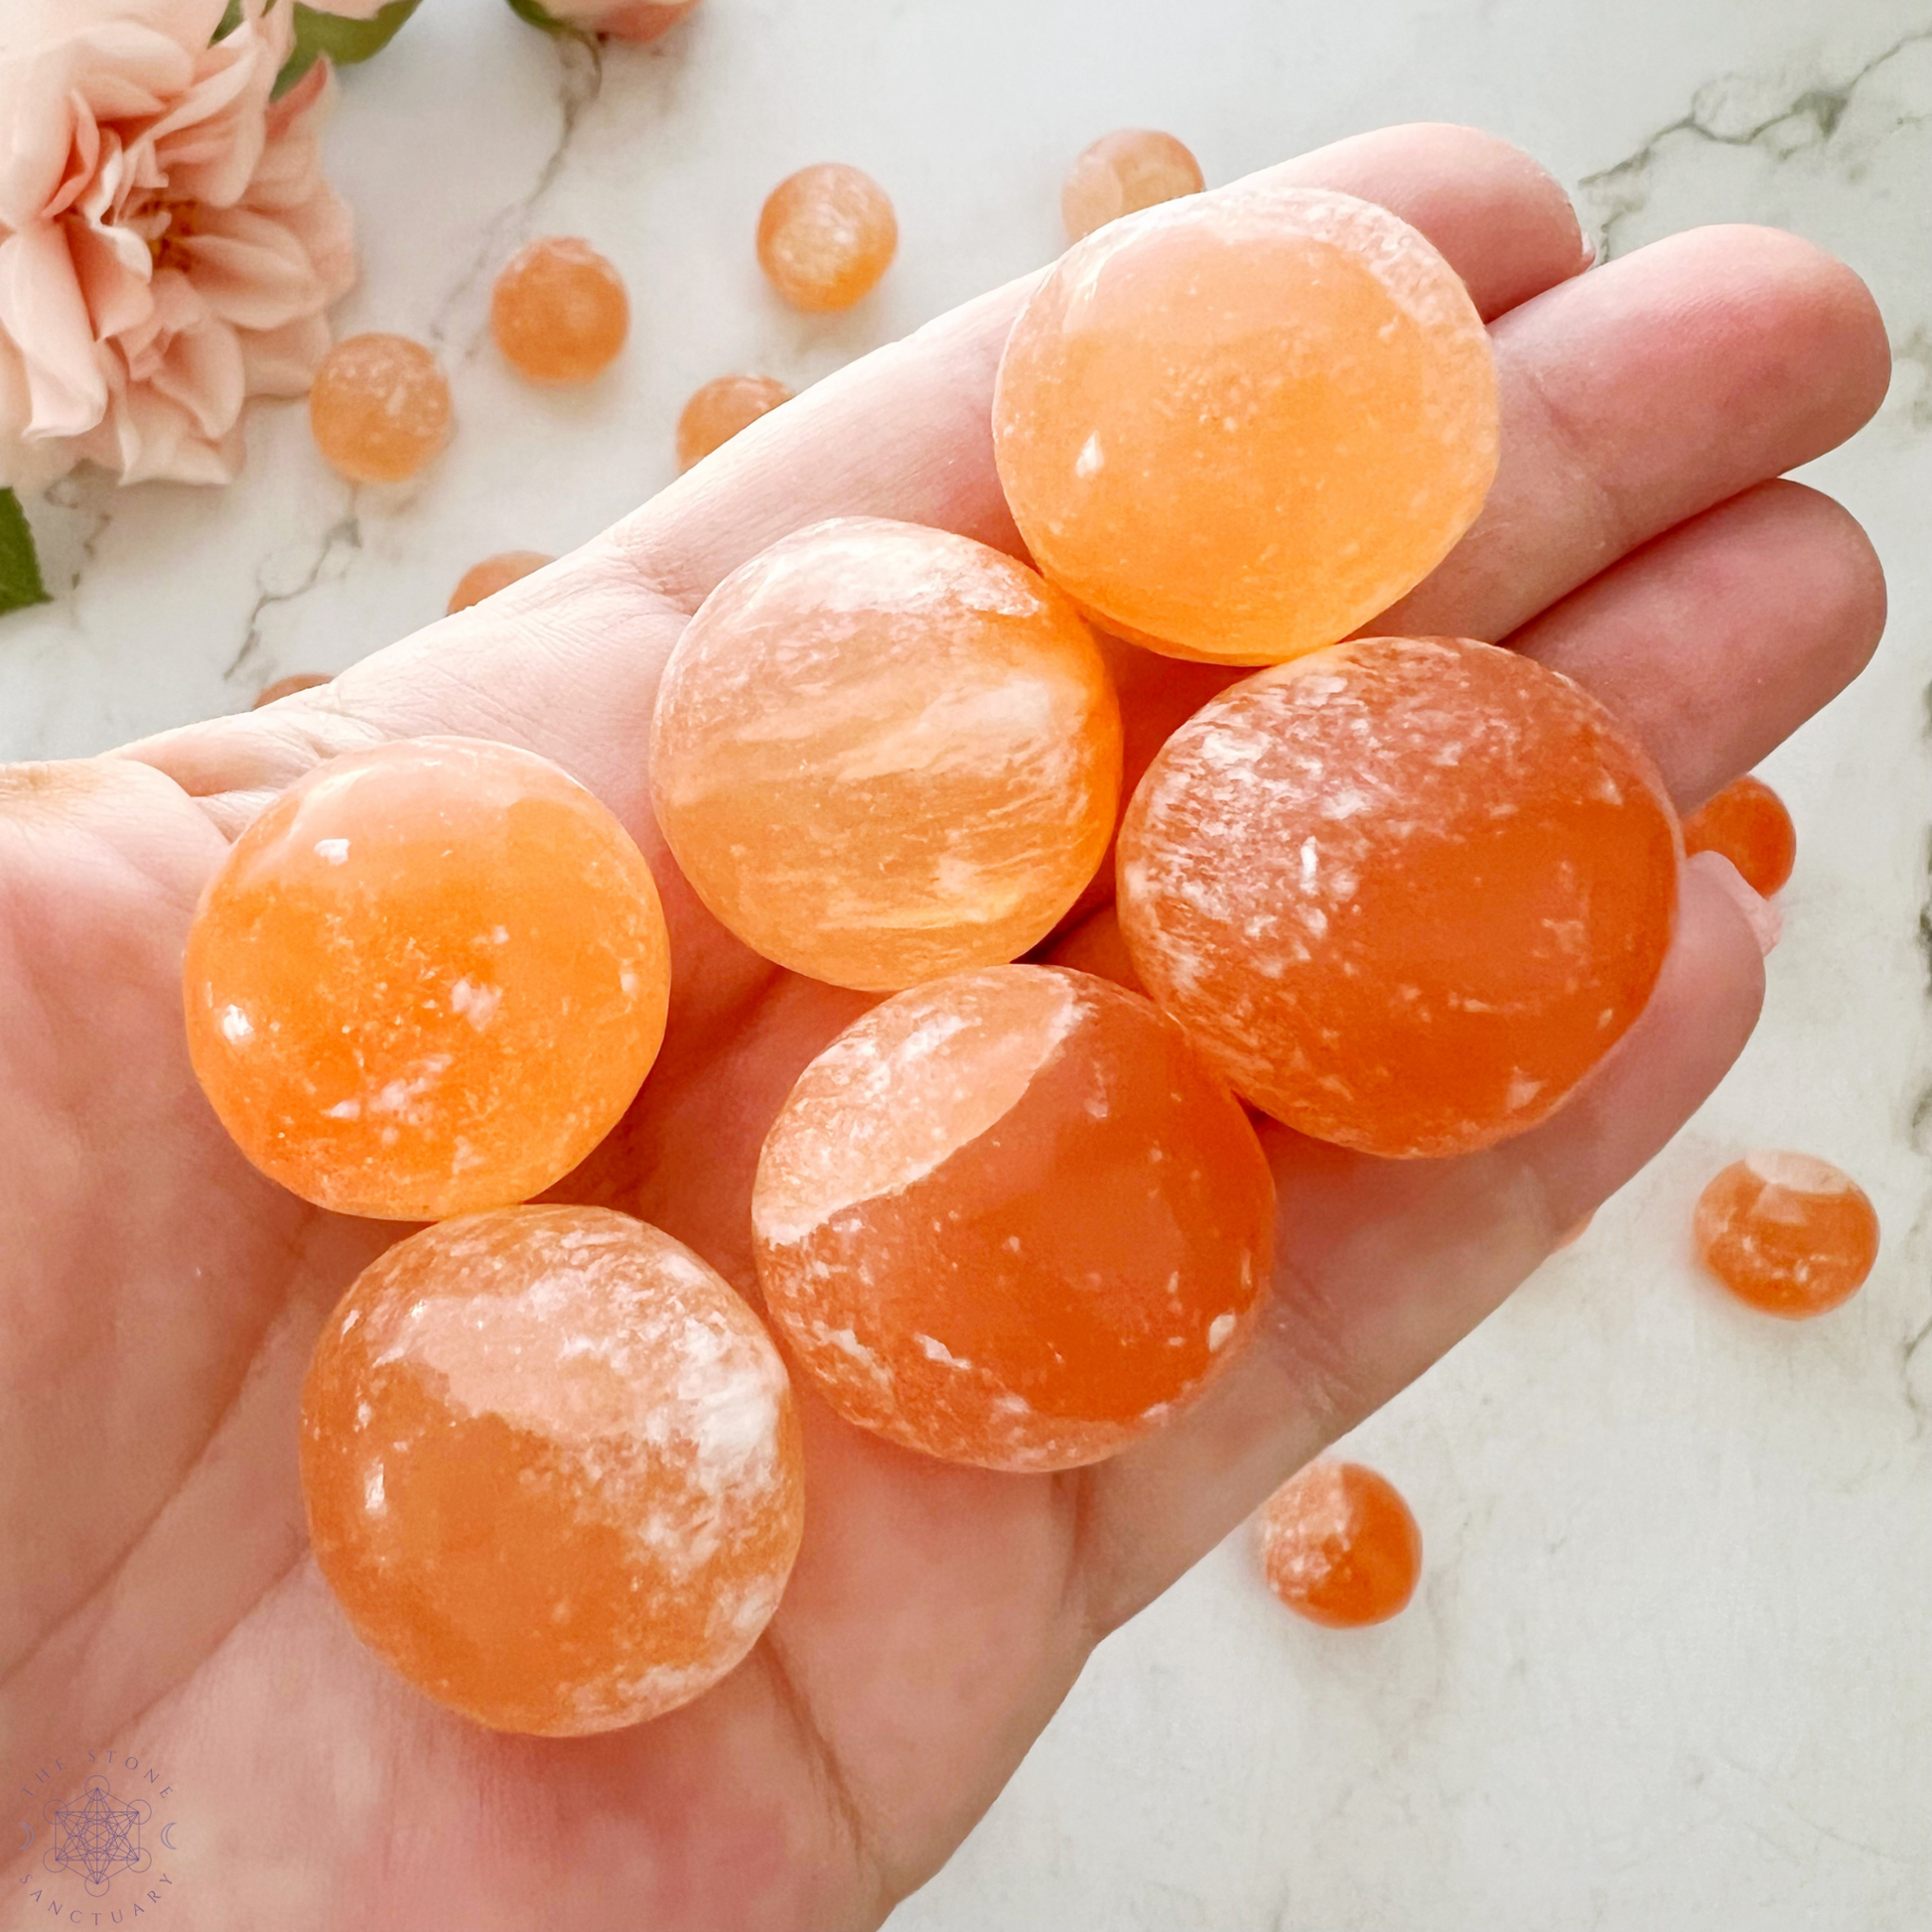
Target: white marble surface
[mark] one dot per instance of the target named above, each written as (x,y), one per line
(1672,1663)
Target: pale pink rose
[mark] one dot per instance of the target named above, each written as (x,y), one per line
(166,241)
(627,20)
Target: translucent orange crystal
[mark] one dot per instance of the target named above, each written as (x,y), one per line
(1747,823)
(1238,425)
(883,752)
(559,311)
(494,574)
(1340,1546)
(722,407)
(287,687)
(643,20)
(552,1468)
(1404,893)
(1790,1234)
(379,407)
(826,235)
(1123,173)
(1011,1219)
(429,978)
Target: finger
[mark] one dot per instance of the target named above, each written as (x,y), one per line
(1643,393)
(566,660)
(1387,1264)
(1717,641)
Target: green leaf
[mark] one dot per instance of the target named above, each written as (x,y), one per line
(20,567)
(230,20)
(535,15)
(320,36)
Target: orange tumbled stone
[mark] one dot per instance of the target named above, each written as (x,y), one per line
(1123,173)
(552,1468)
(379,407)
(1238,425)
(722,407)
(642,21)
(1787,1233)
(1010,1219)
(1747,823)
(1340,1546)
(494,574)
(826,235)
(883,752)
(287,687)
(559,311)
(429,978)
(1404,893)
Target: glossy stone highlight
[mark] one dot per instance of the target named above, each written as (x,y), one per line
(559,311)
(1238,425)
(1120,173)
(1404,893)
(1747,823)
(826,235)
(718,410)
(551,1467)
(379,407)
(494,574)
(883,752)
(1340,1546)
(1011,1219)
(1787,1233)
(429,978)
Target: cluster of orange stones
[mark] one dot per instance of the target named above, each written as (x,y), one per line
(1399,893)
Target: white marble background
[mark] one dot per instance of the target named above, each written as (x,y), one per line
(1671,1665)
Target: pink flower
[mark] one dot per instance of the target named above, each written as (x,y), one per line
(166,241)
(627,20)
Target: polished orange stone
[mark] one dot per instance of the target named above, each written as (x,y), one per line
(429,978)
(552,1468)
(287,687)
(1238,425)
(883,752)
(1010,1219)
(379,408)
(1747,823)
(494,574)
(1404,892)
(1787,1233)
(642,21)
(1340,1546)
(722,407)
(826,235)
(559,311)
(1123,173)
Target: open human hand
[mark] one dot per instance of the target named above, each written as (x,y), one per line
(158,1297)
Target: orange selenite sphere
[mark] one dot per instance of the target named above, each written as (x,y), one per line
(429,978)
(494,574)
(1787,1233)
(379,407)
(1340,1546)
(552,1468)
(1011,1219)
(1123,173)
(1747,823)
(883,752)
(559,311)
(722,407)
(1404,893)
(642,21)
(826,235)
(287,687)
(1238,425)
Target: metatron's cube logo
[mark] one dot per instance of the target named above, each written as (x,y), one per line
(96,1835)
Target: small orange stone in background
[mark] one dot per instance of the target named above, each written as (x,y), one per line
(643,20)
(559,311)
(722,407)
(494,574)
(428,979)
(287,687)
(1747,823)
(552,1468)
(1787,1233)
(1340,1546)
(1122,173)
(826,235)
(1010,1219)
(379,407)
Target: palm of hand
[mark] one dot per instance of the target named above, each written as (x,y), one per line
(159,1298)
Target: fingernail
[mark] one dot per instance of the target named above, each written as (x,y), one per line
(1767,928)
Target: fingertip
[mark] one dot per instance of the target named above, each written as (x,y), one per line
(1767,927)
